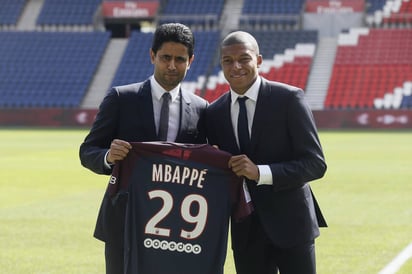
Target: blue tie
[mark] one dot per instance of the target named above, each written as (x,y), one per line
(242,126)
(164,117)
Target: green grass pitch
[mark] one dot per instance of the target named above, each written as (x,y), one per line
(49,203)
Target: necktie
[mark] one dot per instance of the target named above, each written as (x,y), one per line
(164,117)
(242,126)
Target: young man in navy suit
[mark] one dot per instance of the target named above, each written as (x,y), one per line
(132,113)
(277,150)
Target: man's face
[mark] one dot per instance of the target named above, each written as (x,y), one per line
(171,63)
(240,65)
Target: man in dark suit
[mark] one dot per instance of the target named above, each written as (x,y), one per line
(278,155)
(133,113)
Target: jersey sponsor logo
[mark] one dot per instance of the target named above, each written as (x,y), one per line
(172,246)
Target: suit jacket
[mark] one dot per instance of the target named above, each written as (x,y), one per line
(127,113)
(284,136)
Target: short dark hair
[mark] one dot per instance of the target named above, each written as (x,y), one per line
(173,32)
(240,37)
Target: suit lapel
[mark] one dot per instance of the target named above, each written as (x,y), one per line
(262,105)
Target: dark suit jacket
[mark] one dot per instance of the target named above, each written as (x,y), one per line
(284,136)
(127,113)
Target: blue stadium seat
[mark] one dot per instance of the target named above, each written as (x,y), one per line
(205,44)
(191,12)
(273,7)
(63,12)
(374,5)
(193,7)
(406,102)
(135,65)
(48,68)
(10,11)
(280,13)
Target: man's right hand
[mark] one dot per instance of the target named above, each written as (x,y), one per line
(118,150)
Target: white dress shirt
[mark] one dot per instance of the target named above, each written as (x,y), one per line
(265,174)
(174,108)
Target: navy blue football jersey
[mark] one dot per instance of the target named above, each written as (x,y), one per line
(180,199)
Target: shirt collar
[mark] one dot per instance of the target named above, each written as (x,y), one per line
(251,93)
(158,90)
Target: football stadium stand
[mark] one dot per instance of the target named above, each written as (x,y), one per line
(370,64)
(10,11)
(63,12)
(193,13)
(135,64)
(48,69)
(271,14)
(365,66)
(389,13)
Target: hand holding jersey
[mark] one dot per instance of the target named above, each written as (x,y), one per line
(118,151)
(241,165)
(179,201)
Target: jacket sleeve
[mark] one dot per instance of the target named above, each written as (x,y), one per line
(97,142)
(307,162)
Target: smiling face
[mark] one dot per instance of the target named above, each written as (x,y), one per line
(240,62)
(171,63)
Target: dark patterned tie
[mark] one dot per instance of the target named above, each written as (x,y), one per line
(242,126)
(164,117)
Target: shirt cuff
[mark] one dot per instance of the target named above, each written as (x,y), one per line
(106,164)
(265,175)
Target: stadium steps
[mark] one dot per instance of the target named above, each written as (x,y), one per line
(230,16)
(321,71)
(104,76)
(29,16)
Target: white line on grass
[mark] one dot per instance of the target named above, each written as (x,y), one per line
(399,260)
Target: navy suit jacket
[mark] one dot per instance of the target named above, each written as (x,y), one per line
(284,136)
(127,113)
